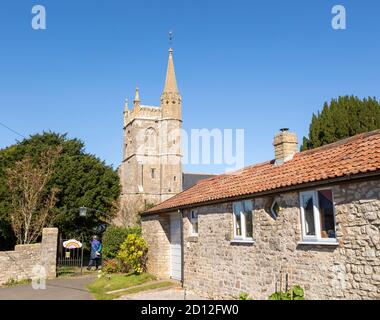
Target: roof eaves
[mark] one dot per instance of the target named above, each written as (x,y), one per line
(295,187)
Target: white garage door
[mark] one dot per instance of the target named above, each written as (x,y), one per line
(175,246)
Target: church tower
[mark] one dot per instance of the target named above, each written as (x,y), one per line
(151,170)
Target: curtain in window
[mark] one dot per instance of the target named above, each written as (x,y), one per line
(308,206)
(326,212)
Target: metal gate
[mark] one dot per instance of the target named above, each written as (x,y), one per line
(69,258)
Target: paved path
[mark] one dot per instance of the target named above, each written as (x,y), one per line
(57,289)
(162,294)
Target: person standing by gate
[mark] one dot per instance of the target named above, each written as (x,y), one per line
(96,252)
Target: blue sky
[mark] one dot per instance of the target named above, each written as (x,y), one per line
(256,65)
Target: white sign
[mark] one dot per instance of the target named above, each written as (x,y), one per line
(72,244)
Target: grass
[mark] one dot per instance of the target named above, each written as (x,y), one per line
(101,286)
(63,272)
(12,282)
(147,287)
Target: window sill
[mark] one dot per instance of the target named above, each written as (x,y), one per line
(319,243)
(242,241)
(192,238)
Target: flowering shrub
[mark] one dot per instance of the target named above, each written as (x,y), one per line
(113,266)
(113,237)
(133,253)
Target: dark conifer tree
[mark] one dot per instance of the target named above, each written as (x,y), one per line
(342,118)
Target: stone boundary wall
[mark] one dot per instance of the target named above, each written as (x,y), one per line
(19,264)
(156,231)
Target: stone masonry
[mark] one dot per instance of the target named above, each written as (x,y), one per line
(216,267)
(156,232)
(285,146)
(19,264)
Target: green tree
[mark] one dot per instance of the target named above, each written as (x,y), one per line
(81,178)
(342,118)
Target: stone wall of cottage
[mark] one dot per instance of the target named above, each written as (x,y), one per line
(156,232)
(21,263)
(215,267)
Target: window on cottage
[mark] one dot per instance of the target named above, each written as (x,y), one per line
(237,219)
(194,222)
(308,213)
(318,215)
(275,210)
(243,224)
(326,213)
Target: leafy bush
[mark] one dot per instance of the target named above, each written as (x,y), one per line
(244,296)
(133,253)
(294,293)
(113,237)
(113,266)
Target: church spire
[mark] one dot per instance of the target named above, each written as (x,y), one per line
(171,101)
(171,81)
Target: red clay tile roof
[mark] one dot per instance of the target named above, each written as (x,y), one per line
(356,155)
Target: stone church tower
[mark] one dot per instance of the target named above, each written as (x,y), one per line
(151,170)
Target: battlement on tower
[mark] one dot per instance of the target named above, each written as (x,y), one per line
(143,111)
(149,111)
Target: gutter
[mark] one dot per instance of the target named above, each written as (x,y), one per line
(347,178)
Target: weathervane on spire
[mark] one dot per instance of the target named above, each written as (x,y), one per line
(171,38)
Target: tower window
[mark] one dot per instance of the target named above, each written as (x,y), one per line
(150,140)
(152,173)
(175,178)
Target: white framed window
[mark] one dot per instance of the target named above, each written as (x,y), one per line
(243,224)
(194,222)
(275,210)
(318,216)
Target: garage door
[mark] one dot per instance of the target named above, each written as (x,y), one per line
(175,246)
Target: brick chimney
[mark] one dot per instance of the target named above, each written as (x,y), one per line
(285,146)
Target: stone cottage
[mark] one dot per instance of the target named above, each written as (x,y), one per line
(310,218)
